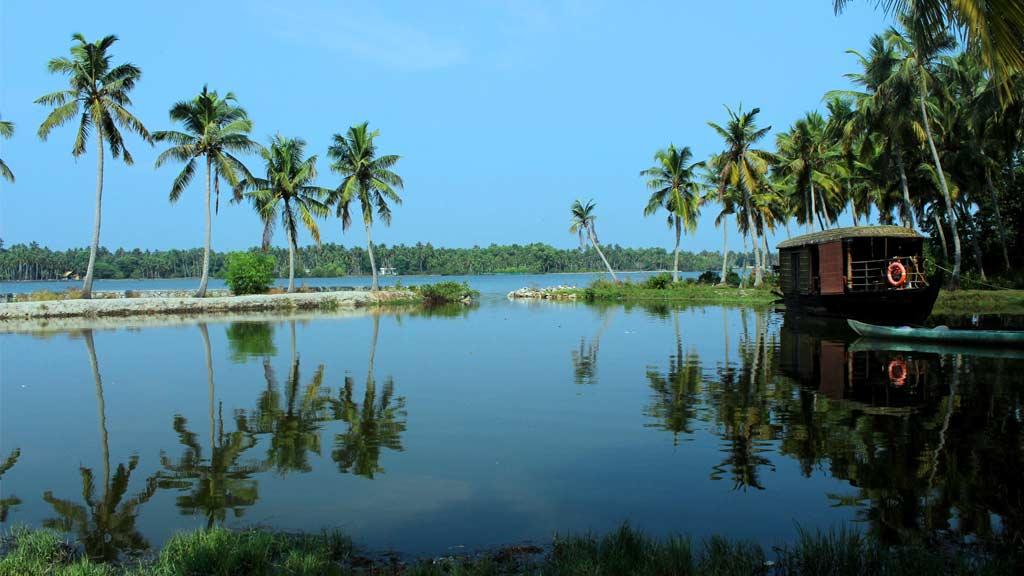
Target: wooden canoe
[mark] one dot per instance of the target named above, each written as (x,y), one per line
(941,334)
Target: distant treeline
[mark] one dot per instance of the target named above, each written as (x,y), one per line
(34,262)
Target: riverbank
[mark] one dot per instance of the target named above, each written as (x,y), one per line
(625,551)
(184,306)
(980,302)
(687,292)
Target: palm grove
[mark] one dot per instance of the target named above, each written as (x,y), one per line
(214,131)
(930,137)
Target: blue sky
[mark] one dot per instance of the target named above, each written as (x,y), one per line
(503,111)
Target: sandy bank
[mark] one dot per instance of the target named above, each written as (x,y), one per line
(194,306)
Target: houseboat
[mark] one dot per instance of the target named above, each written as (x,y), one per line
(869,273)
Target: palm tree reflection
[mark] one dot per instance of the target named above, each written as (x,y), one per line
(219,482)
(10,501)
(105,525)
(676,391)
(376,424)
(292,418)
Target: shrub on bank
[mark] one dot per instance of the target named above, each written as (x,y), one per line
(249,272)
(658,281)
(446,293)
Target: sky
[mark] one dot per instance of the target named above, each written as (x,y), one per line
(504,111)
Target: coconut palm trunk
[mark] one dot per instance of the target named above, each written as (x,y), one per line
(954,281)
(999,217)
(814,210)
(94,248)
(593,240)
(942,237)
(675,257)
(907,206)
(750,226)
(90,346)
(725,249)
(369,249)
(291,262)
(206,247)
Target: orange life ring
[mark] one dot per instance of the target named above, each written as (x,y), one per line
(897,372)
(896,274)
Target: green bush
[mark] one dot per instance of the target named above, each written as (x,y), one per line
(249,272)
(709,277)
(446,293)
(658,281)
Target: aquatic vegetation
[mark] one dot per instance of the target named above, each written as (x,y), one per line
(446,293)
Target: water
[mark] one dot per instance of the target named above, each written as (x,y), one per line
(488,284)
(462,430)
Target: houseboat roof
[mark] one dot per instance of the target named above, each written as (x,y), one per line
(849,232)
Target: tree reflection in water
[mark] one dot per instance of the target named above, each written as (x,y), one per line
(105,526)
(676,391)
(293,417)
(219,482)
(376,424)
(8,502)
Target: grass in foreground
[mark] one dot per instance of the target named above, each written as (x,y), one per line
(624,552)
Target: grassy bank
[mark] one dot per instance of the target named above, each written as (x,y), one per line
(657,289)
(624,552)
(980,302)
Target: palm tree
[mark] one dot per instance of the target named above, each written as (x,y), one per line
(6,131)
(809,162)
(995,26)
(287,192)
(919,47)
(214,129)
(883,122)
(583,219)
(712,177)
(674,187)
(741,165)
(98,97)
(366,177)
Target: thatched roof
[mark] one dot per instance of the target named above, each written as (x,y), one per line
(850,232)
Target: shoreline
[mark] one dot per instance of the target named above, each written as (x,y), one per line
(191,306)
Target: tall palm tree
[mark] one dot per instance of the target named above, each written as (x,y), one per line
(809,162)
(884,122)
(98,97)
(287,192)
(215,129)
(6,131)
(741,165)
(583,220)
(675,188)
(996,26)
(920,47)
(712,177)
(365,177)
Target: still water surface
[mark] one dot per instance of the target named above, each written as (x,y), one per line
(509,422)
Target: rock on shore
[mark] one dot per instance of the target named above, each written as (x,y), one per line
(215,305)
(549,293)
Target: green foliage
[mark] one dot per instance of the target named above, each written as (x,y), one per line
(249,272)
(709,277)
(602,291)
(625,551)
(658,281)
(446,293)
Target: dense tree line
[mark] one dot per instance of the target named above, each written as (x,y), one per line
(34,262)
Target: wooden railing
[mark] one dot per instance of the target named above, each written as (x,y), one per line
(870,275)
